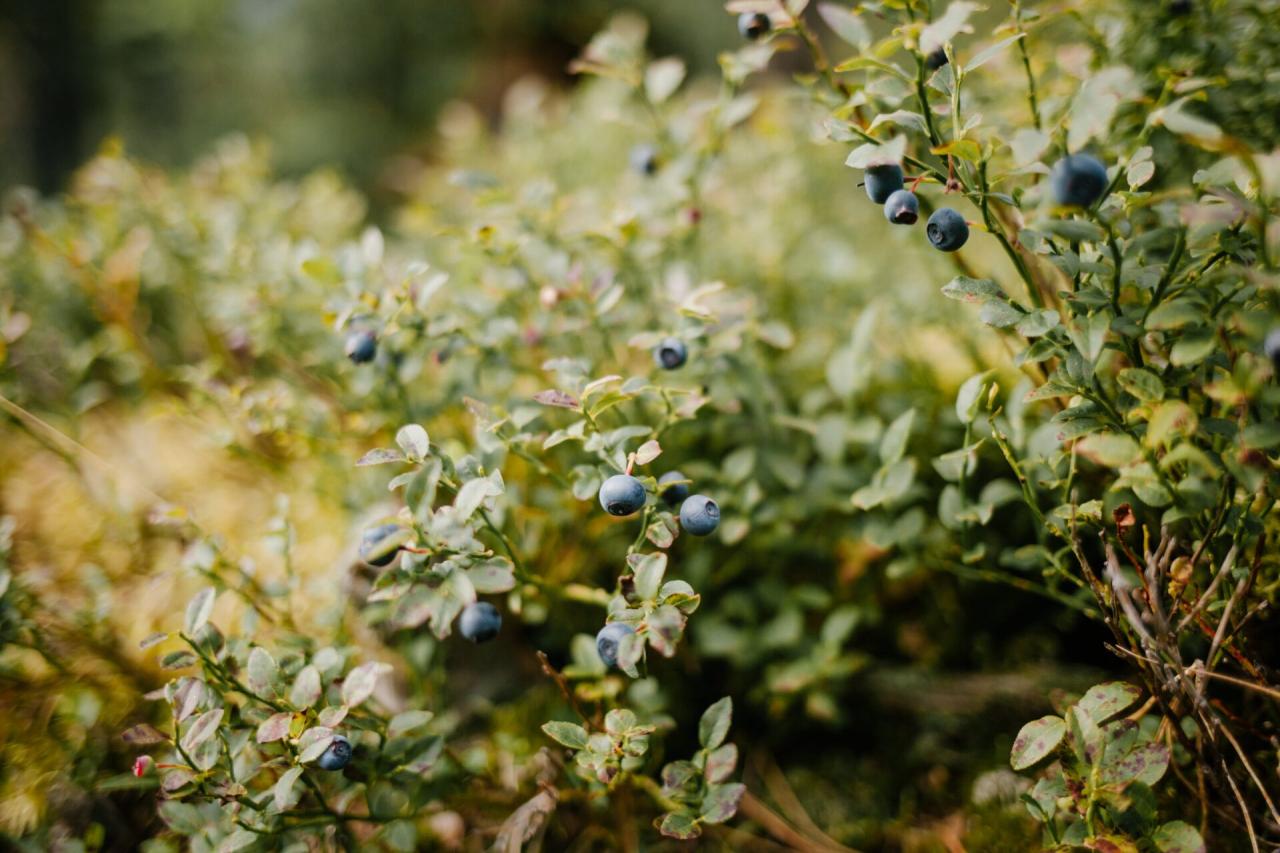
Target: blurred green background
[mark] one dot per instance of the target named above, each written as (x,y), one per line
(327,82)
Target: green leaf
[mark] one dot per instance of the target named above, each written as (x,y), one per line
(893,444)
(877,154)
(202,728)
(1111,449)
(1000,314)
(721,802)
(306,688)
(619,721)
(407,721)
(274,728)
(1262,436)
(284,793)
(714,725)
(1036,741)
(1144,763)
(990,53)
(414,442)
(571,735)
(1175,315)
(721,763)
(846,24)
(313,742)
(679,825)
(970,394)
(662,78)
(975,290)
(1177,837)
(1103,701)
(361,681)
(199,611)
(649,570)
(262,672)
(1141,383)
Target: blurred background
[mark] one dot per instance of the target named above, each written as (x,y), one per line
(327,82)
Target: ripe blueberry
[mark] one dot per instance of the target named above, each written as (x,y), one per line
(936,60)
(1271,347)
(1078,180)
(362,346)
(479,622)
(902,208)
(947,229)
(374,549)
(670,354)
(608,640)
(673,494)
(753,25)
(621,494)
(336,756)
(699,515)
(882,181)
(644,158)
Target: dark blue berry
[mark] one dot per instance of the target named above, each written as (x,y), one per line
(882,181)
(936,60)
(673,495)
(336,756)
(479,622)
(644,158)
(362,346)
(902,208)
(753,25)
(947,229)
(609,639)
(670,354)
(1078,180)
(621,494)
(699,515)
(1271,347)
(375,549)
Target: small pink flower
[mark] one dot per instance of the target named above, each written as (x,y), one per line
(141,765)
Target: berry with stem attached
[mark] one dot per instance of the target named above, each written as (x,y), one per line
(621,495)
(375,549)
(882,181)
(902,208)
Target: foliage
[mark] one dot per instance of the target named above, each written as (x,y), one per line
(918,499)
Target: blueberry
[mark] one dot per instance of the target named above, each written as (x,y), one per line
(1271,347)
(362,346)
(902,208)
(621,494)
(882,181)
(609,639)
(336,756)
(644,158)
(673,494)
(699,515)
(670,354)
(947,229)
(936,60)
(374,547)
(479,622)
(1078,180)
(753,25)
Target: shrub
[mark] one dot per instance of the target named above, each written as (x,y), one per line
(1105,469)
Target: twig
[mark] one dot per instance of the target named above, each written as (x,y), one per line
(552,673)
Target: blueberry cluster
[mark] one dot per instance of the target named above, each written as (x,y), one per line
(1077,180)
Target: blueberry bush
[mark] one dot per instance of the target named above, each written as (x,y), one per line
(638,421)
